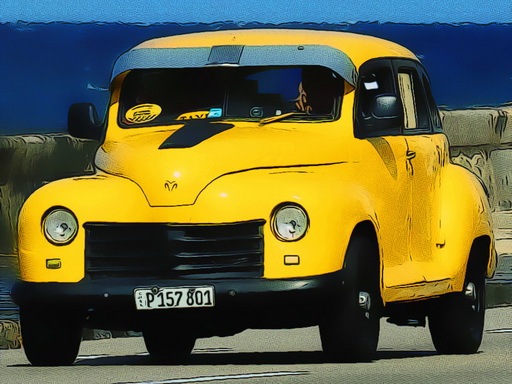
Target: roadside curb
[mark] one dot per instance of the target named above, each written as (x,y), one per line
(10,334)
(498,294)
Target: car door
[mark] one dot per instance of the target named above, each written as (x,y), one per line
(392,200)
(426,156)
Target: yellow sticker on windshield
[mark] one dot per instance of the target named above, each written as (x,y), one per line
(143,113)
(193,115)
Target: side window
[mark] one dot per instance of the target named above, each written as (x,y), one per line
(393,97)
(412,94)
(374,82)
(408,100)
(434,111)
(376,85)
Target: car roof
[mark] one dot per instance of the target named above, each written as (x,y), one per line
(359,48)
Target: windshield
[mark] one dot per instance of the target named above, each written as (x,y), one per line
(166,96)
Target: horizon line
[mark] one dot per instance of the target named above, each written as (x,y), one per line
(244,23)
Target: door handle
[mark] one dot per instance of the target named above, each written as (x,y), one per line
(410,155)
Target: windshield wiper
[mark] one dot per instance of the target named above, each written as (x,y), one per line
(271,119)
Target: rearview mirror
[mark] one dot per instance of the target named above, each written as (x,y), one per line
(387,107)
(83,122)
(386,115)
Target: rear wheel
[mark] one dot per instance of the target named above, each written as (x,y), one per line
(350,332)
(50,337)
(456,321)
(168,346)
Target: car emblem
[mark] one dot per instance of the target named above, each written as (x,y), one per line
(170,185)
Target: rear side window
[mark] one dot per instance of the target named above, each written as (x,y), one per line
(416,113)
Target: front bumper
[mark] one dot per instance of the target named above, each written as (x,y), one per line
(109,302)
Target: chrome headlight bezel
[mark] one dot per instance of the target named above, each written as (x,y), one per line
(282,213)
(52,227)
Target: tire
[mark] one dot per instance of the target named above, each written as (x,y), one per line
(50,337)
(456,321)
(350,331)
(166,345)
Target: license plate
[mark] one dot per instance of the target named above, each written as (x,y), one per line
(179,297)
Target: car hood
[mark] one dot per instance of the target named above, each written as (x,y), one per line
(172,167)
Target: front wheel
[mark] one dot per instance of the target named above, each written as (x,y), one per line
(50,337)
(350,331)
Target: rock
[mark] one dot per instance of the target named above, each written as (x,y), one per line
(10,336)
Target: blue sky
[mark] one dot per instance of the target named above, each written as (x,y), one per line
(270,11)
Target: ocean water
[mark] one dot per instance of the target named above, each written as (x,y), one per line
(46,67)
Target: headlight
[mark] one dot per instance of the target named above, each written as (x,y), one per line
(60,226)
(290,222)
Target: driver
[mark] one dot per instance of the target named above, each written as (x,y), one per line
(318,91)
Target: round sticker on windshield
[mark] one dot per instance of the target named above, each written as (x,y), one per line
(143,113)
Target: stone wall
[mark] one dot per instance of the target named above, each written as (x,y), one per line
(481,140)
(10,336)
(28,162)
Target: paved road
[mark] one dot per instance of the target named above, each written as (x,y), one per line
(405,355)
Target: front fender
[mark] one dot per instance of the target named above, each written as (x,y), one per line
(334,206)
(99,197)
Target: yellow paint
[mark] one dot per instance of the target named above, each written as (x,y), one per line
(244,172)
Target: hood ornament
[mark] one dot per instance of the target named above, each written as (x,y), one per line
(170,185)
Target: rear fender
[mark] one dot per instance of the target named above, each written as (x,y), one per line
(465,217)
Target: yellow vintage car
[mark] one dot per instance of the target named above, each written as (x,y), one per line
(258,179)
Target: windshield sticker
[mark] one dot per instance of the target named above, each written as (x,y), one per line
(194,115)
(143,113)
(215,112)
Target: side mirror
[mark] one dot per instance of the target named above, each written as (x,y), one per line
(83,122)
(386,115)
